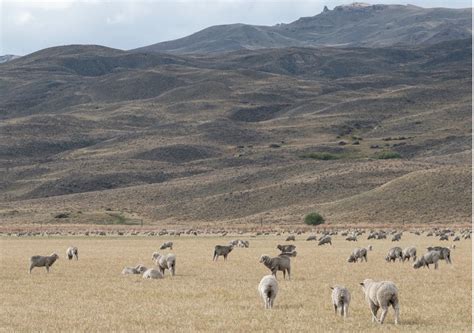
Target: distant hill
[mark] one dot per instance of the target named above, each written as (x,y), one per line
(350,25)
(8,57)
(235,138)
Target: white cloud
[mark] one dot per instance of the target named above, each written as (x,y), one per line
(23,18)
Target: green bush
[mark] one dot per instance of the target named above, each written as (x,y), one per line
(313,219)
(385,155)
(321,156)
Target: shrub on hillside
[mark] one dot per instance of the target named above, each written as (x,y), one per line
(313,219)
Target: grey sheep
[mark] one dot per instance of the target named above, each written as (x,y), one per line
(139,269)
(431,257)
(243,243)
(341,297)
(153,273)
(288,254)
(71,252)
(358,253)
(286,248)
(311,238)
(43,261)
(381,295)
(409,252)
(393,254)
(351,238)
(167,261)
(290,238)
(456,239)
(166,245)
(325,240)
(396,237)
(280,263)
(268,289)
(444,238)
(222,250)
(444,252)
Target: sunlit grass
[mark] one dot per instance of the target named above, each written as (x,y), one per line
(92,295)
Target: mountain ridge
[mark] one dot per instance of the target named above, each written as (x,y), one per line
(348,25)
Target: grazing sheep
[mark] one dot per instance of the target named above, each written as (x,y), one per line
(444,252)
(431,257)
(311,238)
(72,252)
(139,269)
(268,289)
(286,248)
(280,263)
(290,238)
(222,250)
(396,237)
(409,252)
(43,261)
(351,239)
(341,297)
(394,253)
(456,239)
(358,253)
(325,240)
(243,243)
(444,238)
(381,295)
(233,242)
(167,261)
(288,254)
(166,245)
(153,273)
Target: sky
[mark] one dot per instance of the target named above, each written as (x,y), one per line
(31,25)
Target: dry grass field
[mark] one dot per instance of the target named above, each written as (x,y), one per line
(92,295)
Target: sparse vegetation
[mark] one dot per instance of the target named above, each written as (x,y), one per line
(314,218)
(385,155)
(322,156)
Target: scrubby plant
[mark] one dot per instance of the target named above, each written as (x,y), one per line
(313,218)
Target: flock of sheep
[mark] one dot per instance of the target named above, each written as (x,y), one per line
(378,294)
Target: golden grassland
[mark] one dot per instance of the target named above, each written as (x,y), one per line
(92,295)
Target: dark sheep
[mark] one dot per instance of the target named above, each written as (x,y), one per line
(222,250)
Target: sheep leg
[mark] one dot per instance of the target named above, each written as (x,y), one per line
(335,308)
(436,265)
(31,268)
(284,274)
(397,312)
(346,310)
(47,269)
(289,276)
(374,309)
(384,313)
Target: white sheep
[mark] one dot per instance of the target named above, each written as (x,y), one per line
(139,269)
(152,273)
(341,297)
(167,261)
(381,295)
(72,252)
(268,289)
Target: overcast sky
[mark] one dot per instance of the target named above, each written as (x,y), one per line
(31,25)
